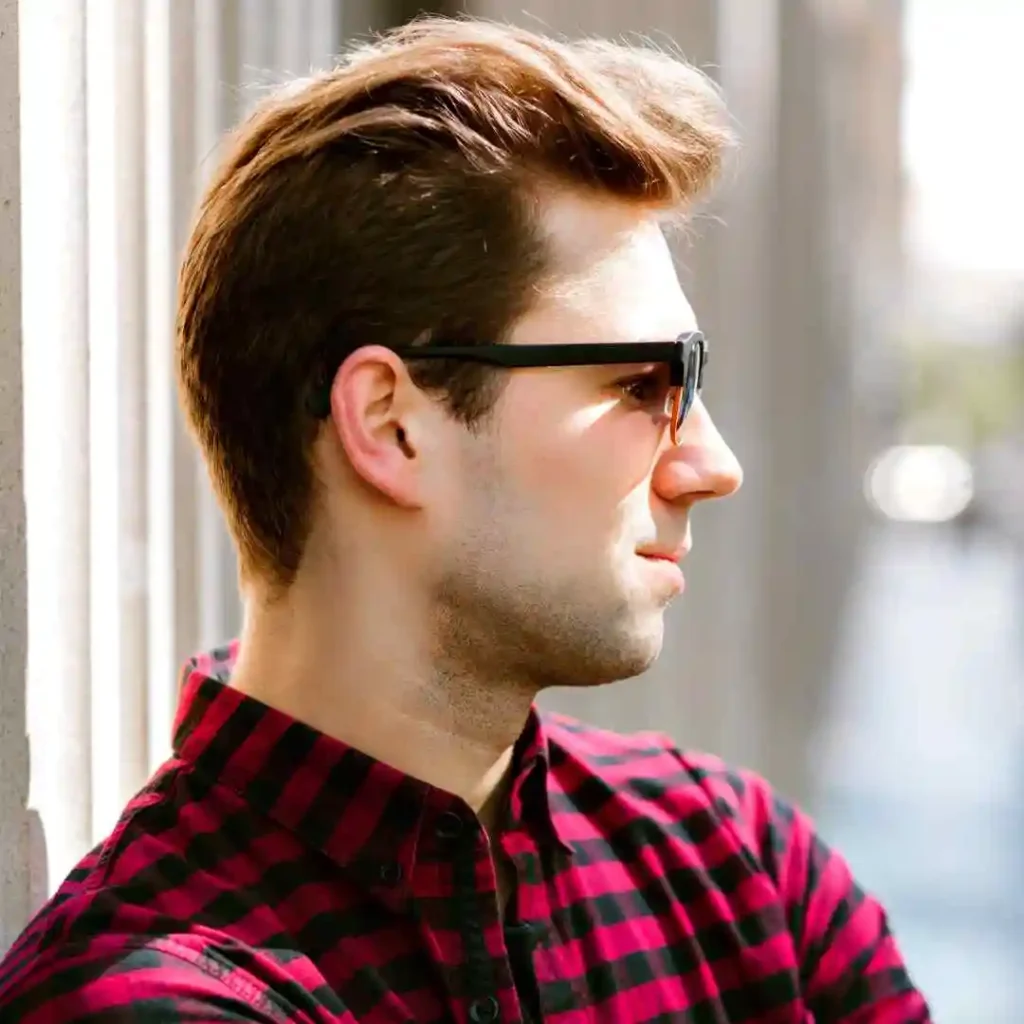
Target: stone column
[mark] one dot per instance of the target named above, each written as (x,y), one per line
(131,567)
(218,60)
(815,323)
(15,882)
(170,34)
(115,111)
(56,364)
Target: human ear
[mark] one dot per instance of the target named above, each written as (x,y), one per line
(379,417)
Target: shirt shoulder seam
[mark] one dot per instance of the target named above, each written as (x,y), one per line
(205,960)
(243,985)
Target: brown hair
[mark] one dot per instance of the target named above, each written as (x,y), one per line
(384,201)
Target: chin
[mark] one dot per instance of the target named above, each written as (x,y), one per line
(646,649)
(622,654)
(646,638)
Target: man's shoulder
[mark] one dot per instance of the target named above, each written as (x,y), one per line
(99,888)
(121,939)
(91,911)
(121,926)
(126,975)
(650,766)
(647,752)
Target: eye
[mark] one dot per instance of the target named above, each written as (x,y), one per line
(648,388)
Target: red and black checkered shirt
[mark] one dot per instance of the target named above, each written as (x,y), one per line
(270,873)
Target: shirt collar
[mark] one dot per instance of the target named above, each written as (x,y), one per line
(362,813)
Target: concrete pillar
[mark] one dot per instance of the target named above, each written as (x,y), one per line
(805,556)
(115,111)
(15,882)
(174,571)
(308,35)
(56,365)
(865,60)
(217,106)
(131,566)
(358,19)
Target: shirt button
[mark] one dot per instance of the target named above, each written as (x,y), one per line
(483,1011)
(449,826)
(391,874)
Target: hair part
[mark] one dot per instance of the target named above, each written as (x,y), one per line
(388,200)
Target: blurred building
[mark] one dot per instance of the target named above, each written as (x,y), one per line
(795,273)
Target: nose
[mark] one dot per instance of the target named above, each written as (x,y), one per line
(702,466)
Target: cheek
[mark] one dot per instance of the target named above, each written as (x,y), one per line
(581,463)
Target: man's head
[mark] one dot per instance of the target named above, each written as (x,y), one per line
(459,183)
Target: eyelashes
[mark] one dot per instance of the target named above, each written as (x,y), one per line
(646,389)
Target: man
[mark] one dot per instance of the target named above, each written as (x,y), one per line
(437,358)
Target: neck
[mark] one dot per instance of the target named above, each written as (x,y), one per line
(370,674)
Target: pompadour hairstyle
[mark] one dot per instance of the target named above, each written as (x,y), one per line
(388,200)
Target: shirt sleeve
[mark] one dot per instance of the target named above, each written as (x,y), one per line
(151,983)
(852,971)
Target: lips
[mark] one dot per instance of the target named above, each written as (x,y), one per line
(674,555)
(664,566)
(658,556)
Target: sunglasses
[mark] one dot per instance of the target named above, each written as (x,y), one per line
(685,358)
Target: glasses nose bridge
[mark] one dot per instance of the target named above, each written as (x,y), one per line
(674,412)
(685,376)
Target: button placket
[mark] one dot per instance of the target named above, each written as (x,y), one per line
(461,844)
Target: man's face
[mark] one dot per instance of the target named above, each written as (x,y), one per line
(561,498)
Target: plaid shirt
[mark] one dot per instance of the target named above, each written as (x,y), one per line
(269,873)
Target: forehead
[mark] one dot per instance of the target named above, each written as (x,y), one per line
(612,276)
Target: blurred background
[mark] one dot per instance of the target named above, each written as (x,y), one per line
(854,624)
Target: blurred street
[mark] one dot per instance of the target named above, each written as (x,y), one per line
(923,757)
